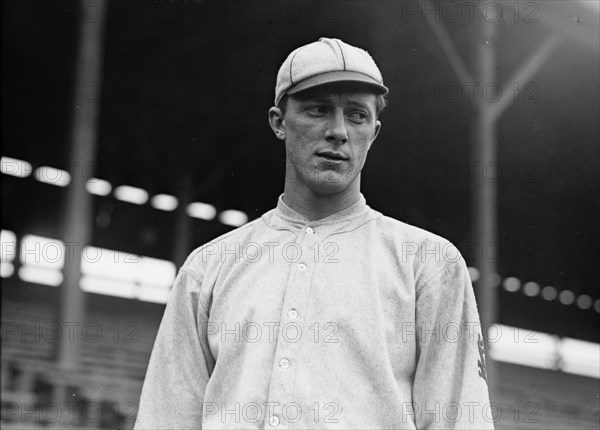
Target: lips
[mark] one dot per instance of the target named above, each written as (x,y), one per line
(332,155)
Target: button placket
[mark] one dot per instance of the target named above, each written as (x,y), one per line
(292,329)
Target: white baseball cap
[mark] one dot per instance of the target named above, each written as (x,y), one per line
(326,61)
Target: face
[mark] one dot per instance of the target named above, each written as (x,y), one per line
(327,136)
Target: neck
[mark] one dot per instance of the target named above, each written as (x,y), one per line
(315,206)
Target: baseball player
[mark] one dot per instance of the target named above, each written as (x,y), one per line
(323,313)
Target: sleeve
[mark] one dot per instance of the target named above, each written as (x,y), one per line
(450,388)
(180,364)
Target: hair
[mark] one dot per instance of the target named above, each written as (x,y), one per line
(380,100)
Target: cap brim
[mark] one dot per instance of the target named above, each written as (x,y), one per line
(338,76)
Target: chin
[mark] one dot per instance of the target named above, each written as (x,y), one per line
(329,188)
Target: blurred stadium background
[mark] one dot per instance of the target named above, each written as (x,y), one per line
(134,131)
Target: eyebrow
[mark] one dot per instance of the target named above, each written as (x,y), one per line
(329,100)
(358,103)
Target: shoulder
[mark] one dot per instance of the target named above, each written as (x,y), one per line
(408,233)
(429,253)
(209,253)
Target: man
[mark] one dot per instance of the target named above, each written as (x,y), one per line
(323,313)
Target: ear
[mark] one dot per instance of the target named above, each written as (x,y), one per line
(277,122)
(376,132)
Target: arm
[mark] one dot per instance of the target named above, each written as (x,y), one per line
(450,386)
(181,362)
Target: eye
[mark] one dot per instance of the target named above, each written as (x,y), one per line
(316,110)
(358,116)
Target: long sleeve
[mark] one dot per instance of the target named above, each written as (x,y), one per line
(180,364)
(450,387)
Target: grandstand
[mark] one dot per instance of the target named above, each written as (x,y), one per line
(103,392)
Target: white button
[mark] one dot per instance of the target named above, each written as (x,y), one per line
(293,314)
(301,266)
(310,230)
(274,420)
(284,363)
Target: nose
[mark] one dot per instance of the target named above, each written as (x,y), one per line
(336,129)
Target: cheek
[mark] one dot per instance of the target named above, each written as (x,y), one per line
(296,148)
(299,155)
(299,138)
(301,129)
(361,148)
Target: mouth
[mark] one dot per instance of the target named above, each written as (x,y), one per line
(332,156)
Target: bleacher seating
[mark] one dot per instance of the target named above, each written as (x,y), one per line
(101,390)
(105,384)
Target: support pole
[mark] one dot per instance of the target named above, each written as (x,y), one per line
(78,212)
(486,184)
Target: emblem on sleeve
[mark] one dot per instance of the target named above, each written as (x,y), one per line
(481,362)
